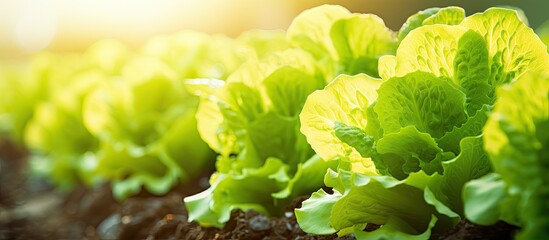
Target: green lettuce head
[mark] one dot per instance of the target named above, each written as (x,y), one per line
(252,121)
(144,119)
(62,147)
(515,139)
(343,42)
(424,117)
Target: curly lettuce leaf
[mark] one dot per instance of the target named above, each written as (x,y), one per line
(325,213)
(513,47)
(343,102)
(60,143)
(359,50)
(44,78)
(306,178)
(472,127)
(471,66)
(273,87)
(471,163)
(315,213)
(505,36)
(408,151)
(479,62)
(455,53)
(266,189)
(430,48)
(250,189)
(393,229)
(435,15)
(343,42)
(310,30)
(432,104)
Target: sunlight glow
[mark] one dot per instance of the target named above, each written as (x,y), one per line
(35,28)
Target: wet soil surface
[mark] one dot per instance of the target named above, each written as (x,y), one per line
(32,209)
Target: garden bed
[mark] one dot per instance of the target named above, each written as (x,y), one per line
(338,126)
(32,209)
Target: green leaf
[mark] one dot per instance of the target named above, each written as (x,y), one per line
(387,66)
(399,205)
(314,215)
(409,151)
(359,41)
(393,229)
(384,196)
(487,202)
(279,83)
(345,100)
(273,135)
(288,88)
(211,127)
(447,15)
(450,142)
(252,189)
(310,30)
(430,48)
(356,138)
(431,104)
(224,116)
(472,71)
(307,178)
(471,163)
(513,47)
(189,154)
(131,167)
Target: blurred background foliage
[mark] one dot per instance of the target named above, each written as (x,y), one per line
(73,25)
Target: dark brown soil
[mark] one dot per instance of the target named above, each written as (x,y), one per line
(32,209)
(471,231)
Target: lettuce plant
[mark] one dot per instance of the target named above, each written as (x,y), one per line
(515,139)
(62,146)
(252,119)
(343,42)
(144,116)
(144,120)
(408,142)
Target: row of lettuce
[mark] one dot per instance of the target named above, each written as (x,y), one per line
(118,114)
(412,131)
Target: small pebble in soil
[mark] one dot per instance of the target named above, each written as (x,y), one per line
(259,223)
(110,227)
